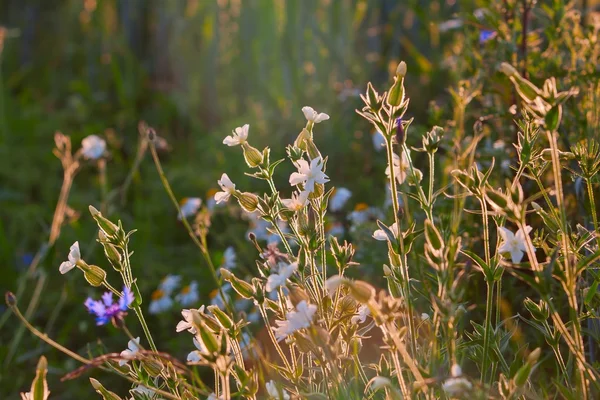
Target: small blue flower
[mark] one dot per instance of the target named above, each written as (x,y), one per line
(106,309)
(486,35)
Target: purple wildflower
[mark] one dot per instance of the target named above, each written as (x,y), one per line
(486,35)
(399,131)
(106,309)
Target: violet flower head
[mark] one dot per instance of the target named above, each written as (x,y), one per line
(486,35)
(399,131)
(106,309)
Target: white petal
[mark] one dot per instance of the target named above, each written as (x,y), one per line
(66,267)
(309,113)
(74,253)
(221,197)
(506,234)
(225,182)
(297,178)
(231,141)
(321,117)
(379,234)
(516,255)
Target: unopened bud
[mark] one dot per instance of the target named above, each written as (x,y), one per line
(302,138)
(508,69)
(11,299)
(396,94)
(361,291)
(248,201)
(387,271)
(252,156)
(401,69)
(109,228)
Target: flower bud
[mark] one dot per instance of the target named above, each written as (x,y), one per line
(302,138)
(94,275)
(361,291)
(223,318)
(152,366)
(109,228)
(508,69)
(248,201)
(380,382)
(401,69)
(252,156)
(243,288)
(396,94)
(11,299)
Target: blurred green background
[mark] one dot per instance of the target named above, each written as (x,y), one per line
(194,70)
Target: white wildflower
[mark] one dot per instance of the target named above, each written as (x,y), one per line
(274,392)
(313,116)
(195,356)
(133,346)
(456,386)
(378,140)
(513,243)
(229,258)
(186,323)
(227,187)
(160,302)
(333,283)
(189,294)
(309,174)
(93,147)
(169,283)
(189,206)
(74,256)
(402,168)
(379,234)
(339,198)
(424,316)
(280,278)
(239,136)
(297,202)
(296,320)
(361,315)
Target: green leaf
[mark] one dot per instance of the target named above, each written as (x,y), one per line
(552,118)
(433,236)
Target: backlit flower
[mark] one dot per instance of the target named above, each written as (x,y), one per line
(195,356)
(189,294)
(186,323)
(280,278)
(74,256)
(106,310)
(239,136)
(309,174)
(402,168)
(379,234)
(361,315)
(227,187)
(296,320)
(189,206)
(93,147)
(339,198)
(133,347)
(513,243)
(297,202)
(275,393)
(313,116)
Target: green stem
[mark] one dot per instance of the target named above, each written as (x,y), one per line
(487,330)
(593,209)
(140,315)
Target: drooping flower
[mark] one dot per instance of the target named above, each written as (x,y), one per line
(297,202)
(161,301)
(280,278)
(106,309)
(195,356)
(186,323)
(313,116)
(227,187)
(189,206)
(189,294)
(402,168)
(309,174)
(361,315)
(93,147)
(379,234)
(513,243)
(239,136)
(74,256)
(133,346)
(275,393)
(339,198)
(296,320)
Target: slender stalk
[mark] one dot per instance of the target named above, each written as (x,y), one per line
(263,313)
(593,210)
(487,330)
(140,315)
